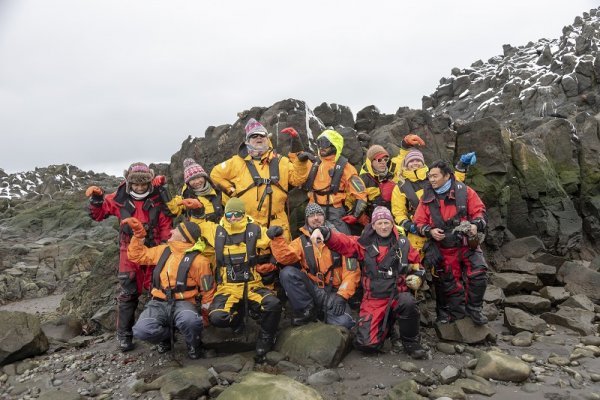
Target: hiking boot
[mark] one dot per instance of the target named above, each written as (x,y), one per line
(125,344)
(304,317)
(414,350)
(476,315)
(442,316)
(163,346)
(264,344)
(195,352)
(238,326)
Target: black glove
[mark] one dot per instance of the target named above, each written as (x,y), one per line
(359,208)
(274,232)
(305,155)
(325,231)
(337,304)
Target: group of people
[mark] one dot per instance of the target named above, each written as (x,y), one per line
(233,254)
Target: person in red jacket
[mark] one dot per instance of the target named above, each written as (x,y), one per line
(136,197)
(445,207)
(390,266)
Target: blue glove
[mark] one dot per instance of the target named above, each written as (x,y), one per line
(468,158)
(413,229)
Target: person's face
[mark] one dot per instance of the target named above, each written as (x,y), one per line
(383,227)
(380,164)
(315,220)
(413,165)
(234,216)
(257,140)
(140,188)
(197,183)
(176,236)
(437,178)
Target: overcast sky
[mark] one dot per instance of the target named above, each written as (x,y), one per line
(103,83)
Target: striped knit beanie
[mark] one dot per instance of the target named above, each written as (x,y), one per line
(413,155)
(191,170)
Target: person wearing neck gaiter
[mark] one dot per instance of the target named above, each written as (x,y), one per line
(379,180)
(138,196)
(444,205)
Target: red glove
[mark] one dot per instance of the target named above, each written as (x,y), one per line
(136,226)
(413,140)
(93,191)
(290,131)
(159,180)
(350,219)
(191,204)
(364,219)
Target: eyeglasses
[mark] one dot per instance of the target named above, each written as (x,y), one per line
(236,214)
(382,159)
(255,135)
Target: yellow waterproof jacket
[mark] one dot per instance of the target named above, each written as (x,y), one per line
(379,189)
(234,178)
(199,276)
(345,278)
(351,186)
(209,233)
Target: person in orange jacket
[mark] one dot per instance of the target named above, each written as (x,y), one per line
(334,184)
(314,277)
(138,196)
(181,272)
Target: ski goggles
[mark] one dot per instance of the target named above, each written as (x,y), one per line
(323,142)
(232,214)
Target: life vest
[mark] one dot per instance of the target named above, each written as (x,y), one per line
(410,190)
(334,186)
(313,266)
(381,277)
(239,266)
(372,182)
(460,202)
(215,199)
(182,272)
(127,210)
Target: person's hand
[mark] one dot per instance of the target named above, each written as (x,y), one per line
(159,180)
(305,156)
(93,191)
(350,219)
(317,236)
(412,140)
(191,204)
(136,226)
(437,234)
(274,231)
(290,131)
(414,282)
(468,158)
(337,304)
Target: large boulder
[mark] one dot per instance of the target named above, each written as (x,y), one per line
(534,304)
(517,320)
(501,367)
(21,337)
(261,386)
(522,247)
(465,331)
(577,319)
(319,343)
(579,279)
(189,382)
(511,282)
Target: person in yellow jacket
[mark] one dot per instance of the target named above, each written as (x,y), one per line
(180,273)
(317,281)
(333,183)
(238,242)
(379,180)
(262,178)
(411,167)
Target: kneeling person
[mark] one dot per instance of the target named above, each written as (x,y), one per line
(315,277)
(180,270)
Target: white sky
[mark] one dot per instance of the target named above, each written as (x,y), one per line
(103,83)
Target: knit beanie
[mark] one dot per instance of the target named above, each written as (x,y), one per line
(189,230)
(235,204)
(376,151)
(191,170)
(138,173)
(381,212)
(313,209)
(413,155)
(253,127)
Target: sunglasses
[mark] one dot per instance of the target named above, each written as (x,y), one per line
(382,159)
(255,135)
(236,214)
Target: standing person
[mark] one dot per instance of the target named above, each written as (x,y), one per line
(180,273)
(445,204)
(333,183)
(135,197)
(238,244)
(379,180)
(314,277)
(390,267)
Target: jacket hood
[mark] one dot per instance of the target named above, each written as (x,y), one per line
(416,175)
(243,151)
(336,139)
(236,227)
(367,168)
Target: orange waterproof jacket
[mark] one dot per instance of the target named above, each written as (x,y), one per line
(345,279)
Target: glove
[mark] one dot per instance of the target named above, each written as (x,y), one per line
(159,180)
(136,226)
(412,140)
(349,219)
(410,226)
(337,304)
(94,191)
(325,232)
(204,312)
(191,204)
(469,158)
(274,231)
(290,131)
(413,282)
(305,156)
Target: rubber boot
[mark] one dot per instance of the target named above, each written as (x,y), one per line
(195,349)
(125,343)
(264,344)
(442,310)
(411,340)
(125,321)
(474,306)
(456,305)
(305,316)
